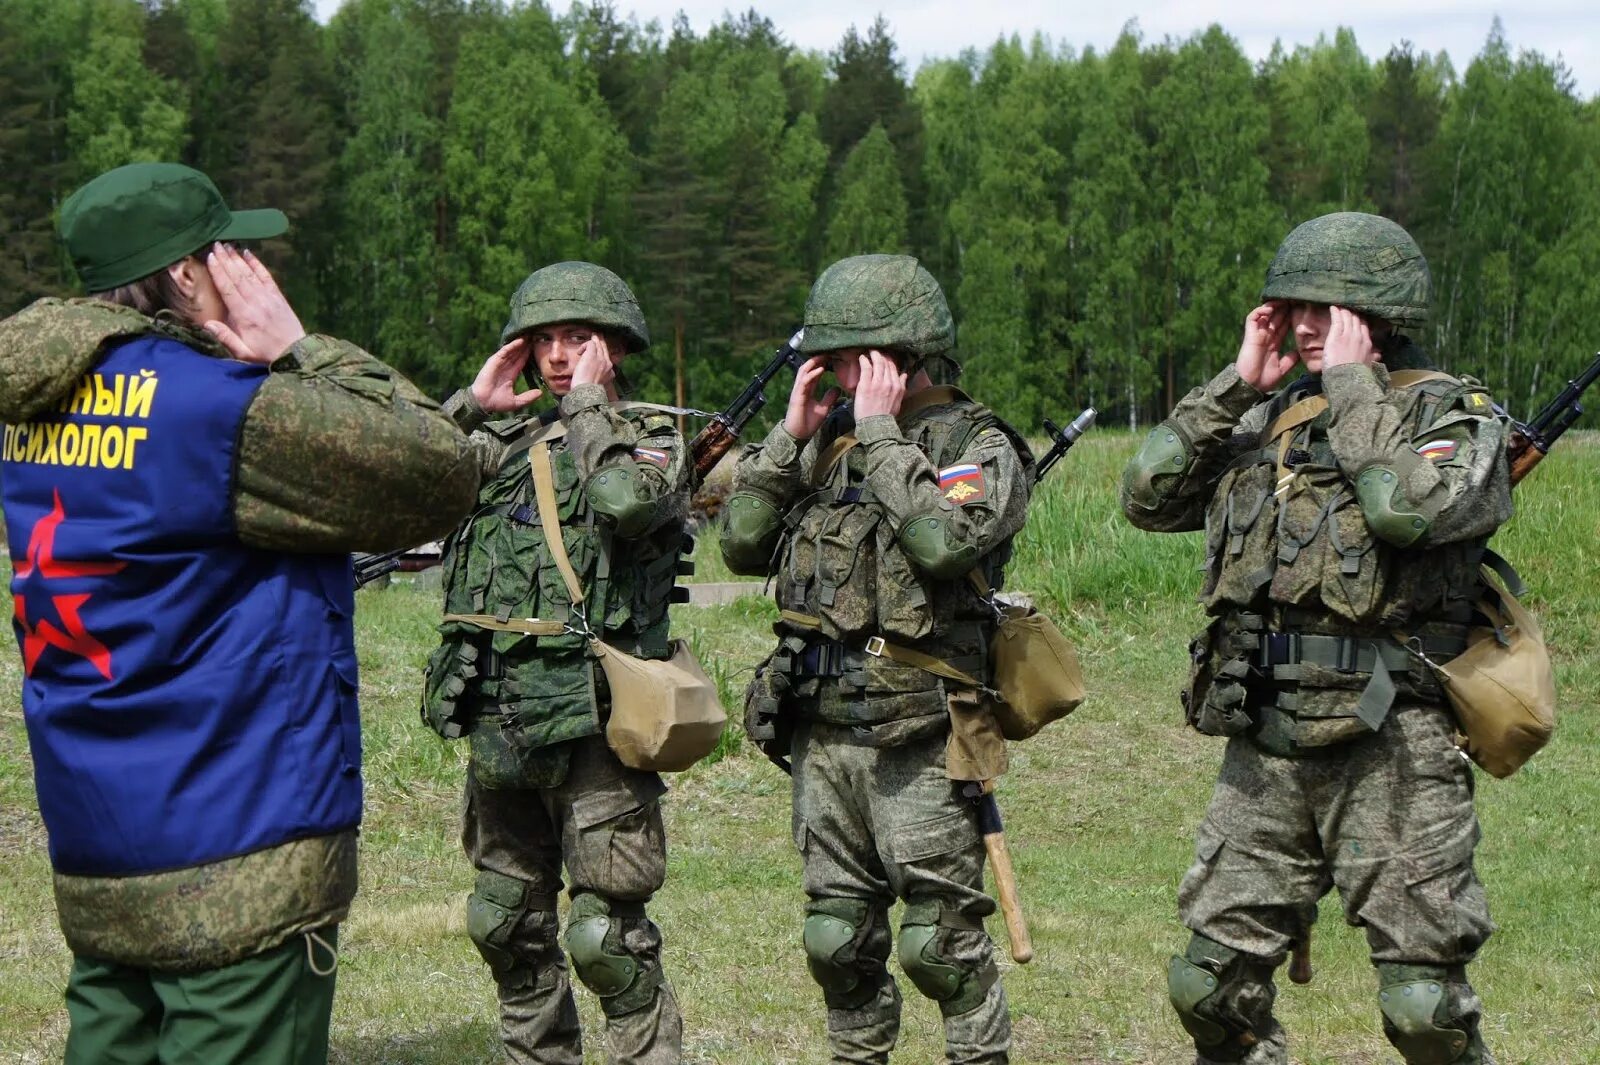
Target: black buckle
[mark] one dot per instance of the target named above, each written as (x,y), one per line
(1278,649)
(1349,650)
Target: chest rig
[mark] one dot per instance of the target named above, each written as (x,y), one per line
(860,624)
(1305,596)
(509,649)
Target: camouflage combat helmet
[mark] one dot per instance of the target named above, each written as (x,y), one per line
(1355,260)
(577,292)
(878,301)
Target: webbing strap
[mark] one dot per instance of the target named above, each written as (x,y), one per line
(544,490)
(1282,430)
(878,647)
(830,458)
(527,626)
(1410,378)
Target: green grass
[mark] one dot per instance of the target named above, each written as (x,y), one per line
(1101,811)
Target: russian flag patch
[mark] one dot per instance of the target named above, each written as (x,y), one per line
(1438,450)
(654,456)
(963,484)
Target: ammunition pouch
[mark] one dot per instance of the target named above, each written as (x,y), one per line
(446,702)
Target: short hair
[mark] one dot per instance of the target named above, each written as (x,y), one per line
(154,293)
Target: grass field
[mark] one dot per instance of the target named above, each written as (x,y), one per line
(1101,810)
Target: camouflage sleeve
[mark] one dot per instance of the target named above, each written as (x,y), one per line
(633,463)
(340,453)
(946,520)
(1446,482)
(470,418)
(1167,485)
(768,477)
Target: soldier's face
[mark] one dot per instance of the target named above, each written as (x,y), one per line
(1310,322)
(845,365)
(555,352)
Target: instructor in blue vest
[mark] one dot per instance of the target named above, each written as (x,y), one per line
(185,472)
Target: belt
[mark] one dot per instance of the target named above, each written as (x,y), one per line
(1349,654)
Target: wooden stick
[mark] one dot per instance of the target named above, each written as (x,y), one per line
(1005,878)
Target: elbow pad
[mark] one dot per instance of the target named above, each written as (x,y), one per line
(620,494)
(1388,515)
(926,542)
(747,533)
(1163,454)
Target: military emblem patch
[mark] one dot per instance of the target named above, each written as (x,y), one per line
(1438,450)
(963,484)
(652,455)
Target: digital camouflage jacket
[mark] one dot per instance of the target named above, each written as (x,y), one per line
(621,482)
(1366,515)
(878,541)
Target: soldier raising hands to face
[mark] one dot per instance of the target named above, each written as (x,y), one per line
(872,516)
(1341,507)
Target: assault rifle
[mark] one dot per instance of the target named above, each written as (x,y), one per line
(368,568)
(1062,441)
(1532,440)
(715,440)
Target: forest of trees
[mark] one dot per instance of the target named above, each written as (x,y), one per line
(1100,221)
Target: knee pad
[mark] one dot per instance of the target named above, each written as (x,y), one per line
(956,985)
(495,906)
(601,960)
(1222,997)
(1418,1014)
(838,940)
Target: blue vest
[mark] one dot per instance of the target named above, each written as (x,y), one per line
(187,698)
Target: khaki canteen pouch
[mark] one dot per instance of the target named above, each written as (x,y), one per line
(1502,687)
(1035,670)
(665,714)
(1031,664)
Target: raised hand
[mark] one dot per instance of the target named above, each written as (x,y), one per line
(495,387)
(882,387)
(805,414)
(1260,361)
(1349,340)
(595,365)
(261,325)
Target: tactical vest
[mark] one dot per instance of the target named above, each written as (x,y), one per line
(841,564)
(1306,597)
(541,689)
(188,699)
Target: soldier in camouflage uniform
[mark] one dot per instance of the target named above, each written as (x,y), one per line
(543,787)
(185,474)
(872,517)
(1344,513)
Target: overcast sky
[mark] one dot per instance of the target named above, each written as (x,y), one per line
(932,29)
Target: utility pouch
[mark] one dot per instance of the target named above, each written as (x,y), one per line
(1214,700)
(1502,687)
(665,713)
(451,667)
(1031,664)
(976,749)
(764,720)
(1035,670)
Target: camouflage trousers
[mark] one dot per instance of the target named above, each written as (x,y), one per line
(603,821)
(878,823)
(1386,819)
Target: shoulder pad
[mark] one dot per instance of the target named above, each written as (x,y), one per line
(507,429)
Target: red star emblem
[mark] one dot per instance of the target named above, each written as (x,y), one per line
(42,565)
